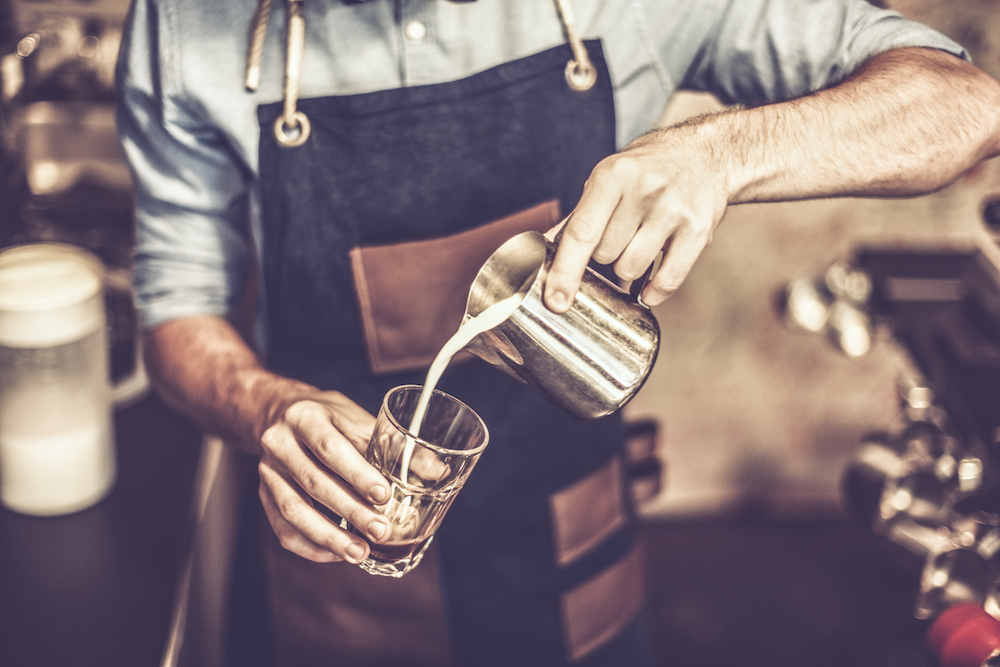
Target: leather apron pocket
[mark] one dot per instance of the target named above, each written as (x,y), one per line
(412,295)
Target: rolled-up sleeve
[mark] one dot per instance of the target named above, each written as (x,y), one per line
(192,230)
(759,51)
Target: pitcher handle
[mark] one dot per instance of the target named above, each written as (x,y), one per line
(135,385)
(639,284)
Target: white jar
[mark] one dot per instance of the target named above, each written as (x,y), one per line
(56,437)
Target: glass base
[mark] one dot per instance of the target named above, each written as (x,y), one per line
(380,562)
(393,568)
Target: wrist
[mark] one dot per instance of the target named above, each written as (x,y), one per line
(720,141)
(270,395)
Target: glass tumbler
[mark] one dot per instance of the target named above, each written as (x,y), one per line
(425,472)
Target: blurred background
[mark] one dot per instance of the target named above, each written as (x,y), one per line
(821,357)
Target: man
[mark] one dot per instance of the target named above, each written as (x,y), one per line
(397,123)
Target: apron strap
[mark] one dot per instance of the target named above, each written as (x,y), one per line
(580,72)
(293,128)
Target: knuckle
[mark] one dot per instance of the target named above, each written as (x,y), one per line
(310,480)
(326,448)
(681,213)
(605,169)
(691,226)
(582,233)
(650,182)
(357,516)
(269,440)
(289,508)
(618,166)
(333,543)
(335,548)
(613,172)
(296,411)
(700,231)
(667,281)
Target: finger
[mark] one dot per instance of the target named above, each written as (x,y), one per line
(679,257)
(311,425)
(285,455)
(291,539)
(627,220)
(581,234)
(642,250)
(300,528)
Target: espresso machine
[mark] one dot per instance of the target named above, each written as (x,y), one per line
(929,485)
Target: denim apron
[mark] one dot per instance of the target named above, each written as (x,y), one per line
(536,559)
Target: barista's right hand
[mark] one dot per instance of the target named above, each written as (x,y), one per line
(313,454)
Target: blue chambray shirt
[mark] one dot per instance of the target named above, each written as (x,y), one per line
(189,130)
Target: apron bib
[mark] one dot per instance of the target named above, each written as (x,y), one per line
(537,561)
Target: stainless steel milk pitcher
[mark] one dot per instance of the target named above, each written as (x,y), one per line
(590,360)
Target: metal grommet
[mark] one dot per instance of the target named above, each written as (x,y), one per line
(580,77)
(290,137)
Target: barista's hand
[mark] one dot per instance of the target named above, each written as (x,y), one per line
(666,191)
(314,454)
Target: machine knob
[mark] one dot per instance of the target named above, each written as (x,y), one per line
(964,636)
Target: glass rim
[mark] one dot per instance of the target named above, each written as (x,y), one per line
(425,443)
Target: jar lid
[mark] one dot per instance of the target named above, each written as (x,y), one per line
(47,276)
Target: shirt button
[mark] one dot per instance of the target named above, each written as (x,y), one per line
(415,31)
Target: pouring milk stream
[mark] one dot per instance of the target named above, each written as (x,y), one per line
(469,329)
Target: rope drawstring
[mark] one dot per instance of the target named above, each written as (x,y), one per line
(256,48)
(580,72)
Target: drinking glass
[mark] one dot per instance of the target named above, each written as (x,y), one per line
(426,471)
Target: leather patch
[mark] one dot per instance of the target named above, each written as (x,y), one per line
(585,513)
(597,610)
(412,295)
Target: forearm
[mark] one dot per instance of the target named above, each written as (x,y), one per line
(909,122)
(204,368)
